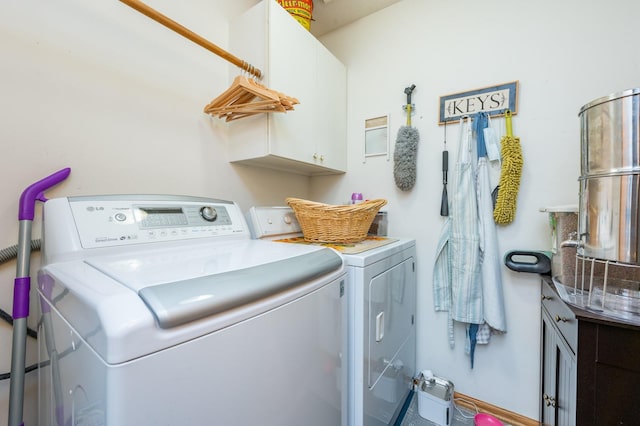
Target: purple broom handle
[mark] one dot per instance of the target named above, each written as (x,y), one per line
(35,192)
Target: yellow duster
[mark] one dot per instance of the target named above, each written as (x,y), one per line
(512,162)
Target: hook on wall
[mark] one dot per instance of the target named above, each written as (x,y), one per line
(409,108)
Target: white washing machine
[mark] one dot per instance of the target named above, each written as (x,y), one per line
(381,290)
(161,310)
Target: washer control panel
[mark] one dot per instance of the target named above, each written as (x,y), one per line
(106,221)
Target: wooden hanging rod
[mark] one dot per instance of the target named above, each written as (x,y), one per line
(185,32)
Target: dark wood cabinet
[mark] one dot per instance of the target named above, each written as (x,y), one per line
(590,366)
(559,336)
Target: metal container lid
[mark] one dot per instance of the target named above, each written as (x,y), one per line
(608,98)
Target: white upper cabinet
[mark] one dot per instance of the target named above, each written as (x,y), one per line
(311,139)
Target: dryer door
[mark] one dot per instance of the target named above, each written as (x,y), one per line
(391,299)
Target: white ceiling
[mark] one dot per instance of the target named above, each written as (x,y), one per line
(329,15)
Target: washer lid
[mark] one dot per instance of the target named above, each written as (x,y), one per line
(180,302)
(182,286)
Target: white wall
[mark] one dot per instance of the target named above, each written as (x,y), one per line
(100,88)
(564,55)
(104,90)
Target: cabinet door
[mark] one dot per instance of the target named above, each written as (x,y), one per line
(609,374)
(548,344)
(292,70)
(330,120)
(558,377)
(311,139)
(566,367)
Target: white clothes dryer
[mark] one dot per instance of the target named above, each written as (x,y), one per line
(381,289)
(161,310)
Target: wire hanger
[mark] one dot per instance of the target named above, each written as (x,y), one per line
(245,97)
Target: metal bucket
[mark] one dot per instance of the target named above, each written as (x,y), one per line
(610,171)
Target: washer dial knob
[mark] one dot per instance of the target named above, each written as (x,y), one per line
(208,213)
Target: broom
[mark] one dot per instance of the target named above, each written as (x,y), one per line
(512,162)
(404,155)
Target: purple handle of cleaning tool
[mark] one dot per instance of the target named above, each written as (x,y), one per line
(21,289)
(35,192)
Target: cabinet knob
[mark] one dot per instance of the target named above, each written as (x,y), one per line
(559,318)
(546,297)
(315,155)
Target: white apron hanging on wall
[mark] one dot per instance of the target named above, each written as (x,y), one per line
(467,279)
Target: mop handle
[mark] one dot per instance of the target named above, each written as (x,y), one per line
(509,125)
(21,289)
(26,212)
(35,192)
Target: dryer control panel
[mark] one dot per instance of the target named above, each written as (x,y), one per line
(115,220)
(272,222)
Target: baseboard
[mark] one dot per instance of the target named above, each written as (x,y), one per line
(505,416)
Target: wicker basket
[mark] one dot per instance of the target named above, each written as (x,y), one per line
(324,223)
